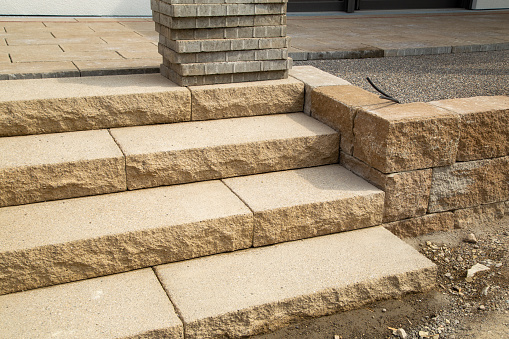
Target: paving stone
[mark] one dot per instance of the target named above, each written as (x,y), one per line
(308,202)
(53,41)
(404,137)
(133,47)
(4,58)
(247,99)
(38,70)
(422,225)
(38,168)
(406,193)
(178,153)
(46,49)
(118,67)
(481,214)
(120,306)
(111,101)
(64,56)
(337,107)
(313,78)
(153,54)
(468,184)
(484,125)
(61,241)
(259,290)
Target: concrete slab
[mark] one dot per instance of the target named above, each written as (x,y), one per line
(120,306)
(52,41)
(4,58)
(46,49)
(38,70)
(115,67)
(46,167)
(259,290)
(64,56)
(195,151)
(151,54)
(90,103)
(61,241)
(108,47)
(312,78)
(308,202)
(247,99)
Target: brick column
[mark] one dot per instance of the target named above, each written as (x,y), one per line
(222,41)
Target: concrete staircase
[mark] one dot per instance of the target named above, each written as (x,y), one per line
(133,208)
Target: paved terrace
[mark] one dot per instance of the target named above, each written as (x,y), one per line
(33,47)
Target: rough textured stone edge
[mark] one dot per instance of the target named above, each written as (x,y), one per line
(480,214)
(422,225)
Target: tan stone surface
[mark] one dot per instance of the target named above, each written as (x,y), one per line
(63,56)
(422,225)
(406,193)
(60,241)
(247,99)
(259,290)
(309,202)
(396,138)
(480,214)
(204,150)
(484,126)
(59,105)
(128,305)
(468,184)
(4,58)
(106,47)
(312,78)
(337,106)
(38,168)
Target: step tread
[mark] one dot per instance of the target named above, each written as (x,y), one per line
(125,305)
(239,293)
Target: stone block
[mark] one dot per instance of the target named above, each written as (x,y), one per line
(269,20)
(312,78)
(187,152)
(468,184)
(126,305)
(308,202)
(46,167)
(271,54)
(61,105)
(422,225)
(406,193)
(247,99)
(337,107)
(480,215)
(56,242)
(484,126)
(404,137)
(259,290)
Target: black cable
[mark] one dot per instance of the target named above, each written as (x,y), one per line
(384,95)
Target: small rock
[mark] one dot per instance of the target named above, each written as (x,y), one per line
(423,334)
(498,265)
(384,310)
(448,275)
(476,268)
(471,238)
(485,290)
(337,337)
(447,321)
(435,336)
(401,333)
(482,307)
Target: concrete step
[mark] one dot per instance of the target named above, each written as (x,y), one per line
(42,106)
(37,168)
(214,149)
(55,242)
(228,295)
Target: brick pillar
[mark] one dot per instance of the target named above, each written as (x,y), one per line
(222,41)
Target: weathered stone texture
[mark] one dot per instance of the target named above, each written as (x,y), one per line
(422,225)
(396,138)
(480,214)
(468,184)
(247,99)
(337,107)
(484,126)
(51,106)
(406,193)
(38,168)
(308,202)
(61,241)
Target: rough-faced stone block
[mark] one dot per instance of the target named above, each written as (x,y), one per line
(258,290)
(395,138)
(312,78)
(71,104)
(247,99)
(128,305)
(481,214)
(37,168)
(484,126)
(187,152)
(422,225)
(406,193)
(337,107)
(308,202)
(55,242)
(468,184)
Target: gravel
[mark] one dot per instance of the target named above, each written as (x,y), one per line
(427,77)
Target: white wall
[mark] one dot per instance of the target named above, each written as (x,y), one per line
(490,4)
(76,7)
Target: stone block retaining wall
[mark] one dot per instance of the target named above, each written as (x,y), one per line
(442,164)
